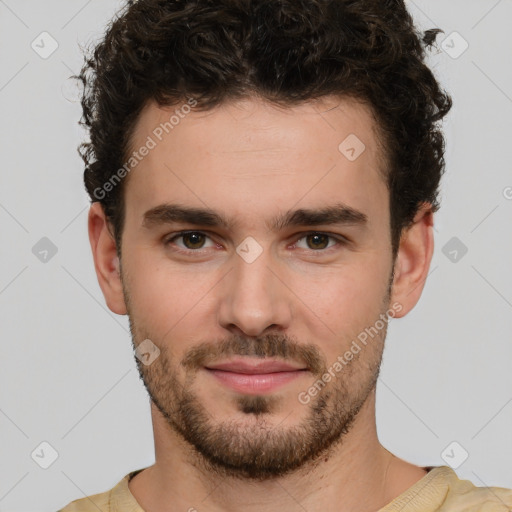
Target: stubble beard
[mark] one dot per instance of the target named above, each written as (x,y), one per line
(259,449)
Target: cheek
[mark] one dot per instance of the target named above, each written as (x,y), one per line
(341,303)
(358,285)
(166,300)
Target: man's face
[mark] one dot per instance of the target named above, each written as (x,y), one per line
(224,299)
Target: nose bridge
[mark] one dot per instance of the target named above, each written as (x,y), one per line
(253,297)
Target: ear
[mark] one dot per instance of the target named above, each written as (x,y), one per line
(106,262)
(413,260)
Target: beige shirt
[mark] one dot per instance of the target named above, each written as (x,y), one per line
(440,490)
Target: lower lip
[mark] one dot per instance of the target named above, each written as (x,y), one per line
(255,383)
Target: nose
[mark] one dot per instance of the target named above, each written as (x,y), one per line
(254,297)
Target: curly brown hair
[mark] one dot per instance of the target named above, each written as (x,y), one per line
(284,51)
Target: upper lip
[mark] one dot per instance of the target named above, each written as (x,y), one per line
(255,367)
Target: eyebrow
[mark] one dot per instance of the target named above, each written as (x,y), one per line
(174,213)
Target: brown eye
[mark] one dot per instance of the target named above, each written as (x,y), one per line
(317,241)
(189,241)
(320,242)
(193,240)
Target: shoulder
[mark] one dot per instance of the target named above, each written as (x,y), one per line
(116,499)
(471,498)
(441,490)
(90,503)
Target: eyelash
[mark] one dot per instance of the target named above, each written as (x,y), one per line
(341,241)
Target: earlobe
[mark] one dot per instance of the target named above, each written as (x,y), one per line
(106,261)
(413,260)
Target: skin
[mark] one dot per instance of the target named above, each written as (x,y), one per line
(250,161)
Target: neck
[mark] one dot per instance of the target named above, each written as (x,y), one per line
(358,474)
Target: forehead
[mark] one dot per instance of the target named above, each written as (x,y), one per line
(241,122)
(249,152)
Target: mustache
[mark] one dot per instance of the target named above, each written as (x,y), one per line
(267,346)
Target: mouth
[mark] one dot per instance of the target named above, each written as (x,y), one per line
(255,376)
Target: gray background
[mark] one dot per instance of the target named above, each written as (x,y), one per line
(68,375)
